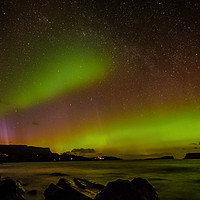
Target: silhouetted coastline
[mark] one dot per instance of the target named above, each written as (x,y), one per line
(24,153)
(161,158)
(192,156)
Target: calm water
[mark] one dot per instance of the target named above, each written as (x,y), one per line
(173,179)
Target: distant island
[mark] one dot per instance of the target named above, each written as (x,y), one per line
(24,153)
(161,158)
(192,156)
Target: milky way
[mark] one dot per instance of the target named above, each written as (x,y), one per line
(122,77)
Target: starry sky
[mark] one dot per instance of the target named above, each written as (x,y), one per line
(122,77)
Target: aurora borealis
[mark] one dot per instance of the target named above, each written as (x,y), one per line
(122,77)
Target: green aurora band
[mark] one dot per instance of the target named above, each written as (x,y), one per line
(144,134)
(57,73)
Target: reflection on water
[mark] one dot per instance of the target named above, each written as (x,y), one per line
(173,179)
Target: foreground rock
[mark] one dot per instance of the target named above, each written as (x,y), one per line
(137,189)
(11,190)
(62,191)
(85,184)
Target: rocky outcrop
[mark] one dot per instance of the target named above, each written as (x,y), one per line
(137,189)
(11,190)
(192,156)
(85,184)
(62,191)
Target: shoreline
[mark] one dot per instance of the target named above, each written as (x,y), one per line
(162,174)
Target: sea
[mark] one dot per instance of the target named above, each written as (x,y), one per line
(172,179)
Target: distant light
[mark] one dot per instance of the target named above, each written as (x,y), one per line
(100,158)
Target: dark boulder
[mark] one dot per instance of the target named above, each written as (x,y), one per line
(11,190)
(137,189)
(144,189)
(85,184)
(63,183)
(63,191)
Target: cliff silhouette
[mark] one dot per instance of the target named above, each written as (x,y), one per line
(24,153)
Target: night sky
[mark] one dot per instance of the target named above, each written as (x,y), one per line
(122,77)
